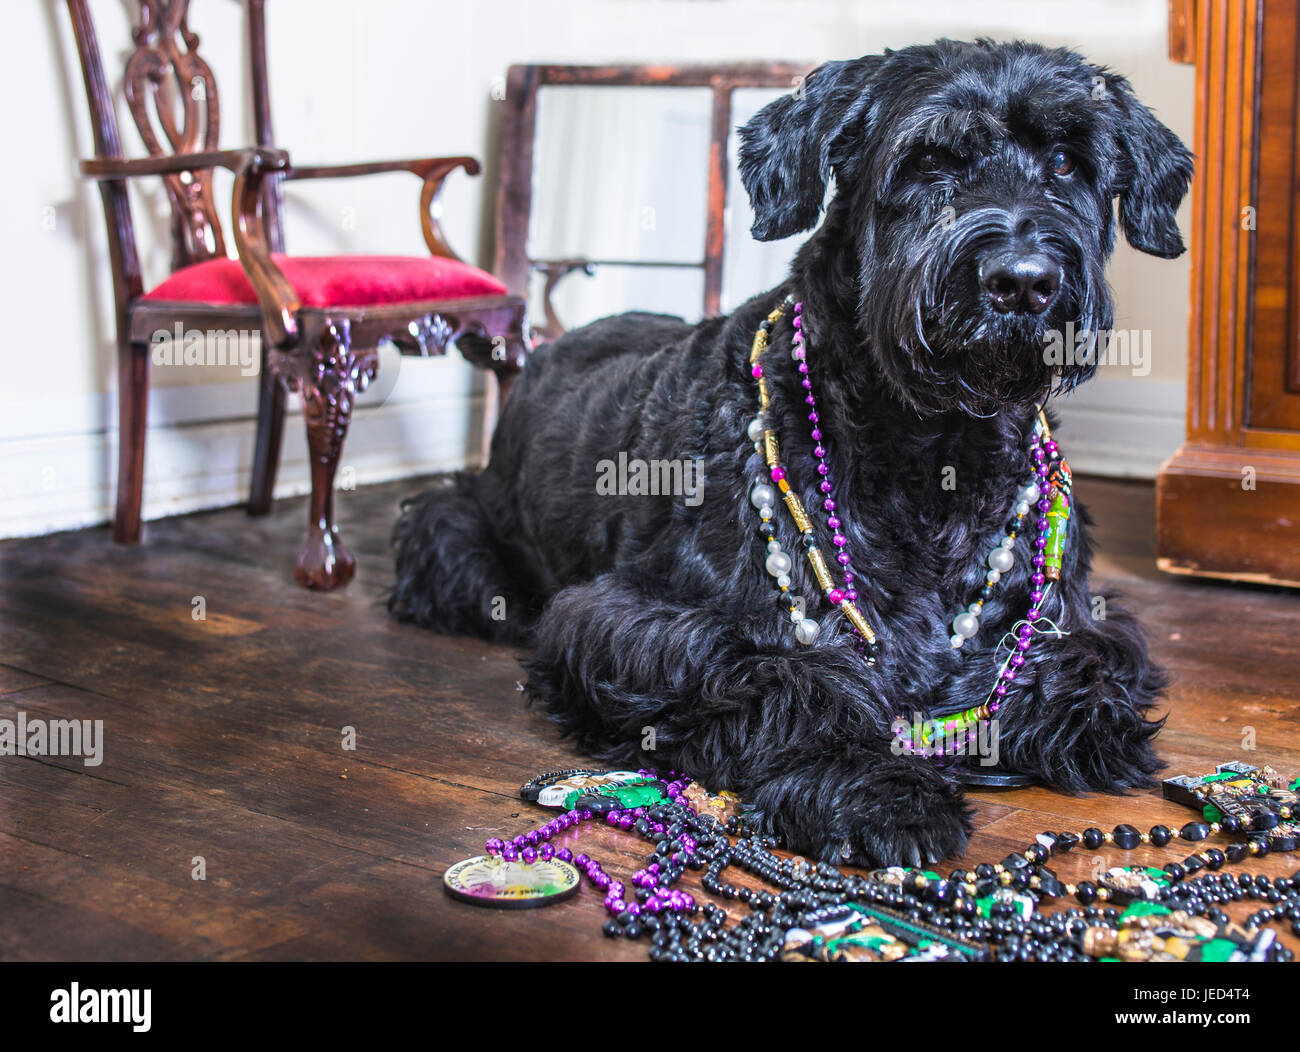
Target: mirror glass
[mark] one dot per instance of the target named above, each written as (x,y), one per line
(620,177)
(620,173)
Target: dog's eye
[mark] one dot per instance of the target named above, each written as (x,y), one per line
(928,164)
(1061,162)
(936,162)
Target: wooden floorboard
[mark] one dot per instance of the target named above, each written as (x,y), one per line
(223,741)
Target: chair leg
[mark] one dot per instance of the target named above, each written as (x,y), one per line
(270,431)
(328,384)
(132,414)
(505,380)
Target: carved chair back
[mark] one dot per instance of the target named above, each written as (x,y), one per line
(173,100)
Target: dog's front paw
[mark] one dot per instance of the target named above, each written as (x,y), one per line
(908,815)
(1100,747)
(879,812)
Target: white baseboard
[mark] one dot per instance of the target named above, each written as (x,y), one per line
(199,449)
(1122,428)
(200,444)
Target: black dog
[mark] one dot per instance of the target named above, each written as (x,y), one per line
(973,216)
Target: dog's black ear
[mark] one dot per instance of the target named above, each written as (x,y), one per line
(1153,173)
(789,148)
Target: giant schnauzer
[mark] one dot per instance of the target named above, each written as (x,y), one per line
(972,216)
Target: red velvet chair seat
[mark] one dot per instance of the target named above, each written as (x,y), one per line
(335,281)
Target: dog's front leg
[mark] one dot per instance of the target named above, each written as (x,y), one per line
(853,800)
(1078,718)
(802,733)
(1076,713)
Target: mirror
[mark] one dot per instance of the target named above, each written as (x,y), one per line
(620,173)
(620,191)
(620,179)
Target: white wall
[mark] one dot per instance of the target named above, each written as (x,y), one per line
(356,81)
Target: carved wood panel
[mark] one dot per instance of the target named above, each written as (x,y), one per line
(170,90)
(1228,502)
(1275,364)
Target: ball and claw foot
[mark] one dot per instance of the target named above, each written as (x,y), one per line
(324,561)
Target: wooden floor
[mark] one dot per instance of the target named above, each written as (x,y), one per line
(223,743)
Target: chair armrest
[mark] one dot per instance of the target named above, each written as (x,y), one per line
(432,170)
(101,168)
(277,298)
(422,167)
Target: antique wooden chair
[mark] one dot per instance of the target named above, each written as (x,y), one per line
(321,318)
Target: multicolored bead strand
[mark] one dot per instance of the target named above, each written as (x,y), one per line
(1000,560)
(1015,909)
(1025,632)
(778,563)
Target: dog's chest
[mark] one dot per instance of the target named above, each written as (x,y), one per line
(920,527)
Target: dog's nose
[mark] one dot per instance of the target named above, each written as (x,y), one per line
(1023,284)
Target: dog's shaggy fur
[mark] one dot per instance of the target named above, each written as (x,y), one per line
(646,612)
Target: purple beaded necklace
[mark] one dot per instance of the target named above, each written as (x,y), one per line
(826,486)
(534,845)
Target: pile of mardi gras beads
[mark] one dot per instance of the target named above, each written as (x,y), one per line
(992,912)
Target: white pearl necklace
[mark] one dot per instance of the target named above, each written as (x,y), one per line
(965,625)
(1000,560)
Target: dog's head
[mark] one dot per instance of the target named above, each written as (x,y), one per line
(973,210)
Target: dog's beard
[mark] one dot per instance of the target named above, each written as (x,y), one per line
(980,365)
(943,348)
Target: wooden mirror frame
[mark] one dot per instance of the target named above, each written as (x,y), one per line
(515,266)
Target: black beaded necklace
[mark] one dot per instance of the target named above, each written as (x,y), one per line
(989,913)
(950,913)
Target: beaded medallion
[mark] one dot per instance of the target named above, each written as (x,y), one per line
(488,880)
(593,790)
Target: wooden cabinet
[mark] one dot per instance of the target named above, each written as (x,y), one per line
(1228,502)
